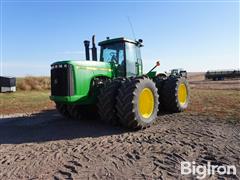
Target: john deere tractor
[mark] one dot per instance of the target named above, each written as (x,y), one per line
(114,87)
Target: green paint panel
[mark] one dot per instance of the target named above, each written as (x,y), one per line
(83,72)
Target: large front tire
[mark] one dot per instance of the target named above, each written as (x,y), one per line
(107,101)
(63,110)
(75,111)
(137,103)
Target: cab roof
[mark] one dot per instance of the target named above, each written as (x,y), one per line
(121,39)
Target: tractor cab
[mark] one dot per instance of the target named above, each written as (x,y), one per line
(124,56)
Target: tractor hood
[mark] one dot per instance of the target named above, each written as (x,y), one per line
(89,65)
(71,81)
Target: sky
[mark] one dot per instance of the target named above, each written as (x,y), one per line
(194,35)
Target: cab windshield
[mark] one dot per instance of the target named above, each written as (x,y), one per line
(112,53)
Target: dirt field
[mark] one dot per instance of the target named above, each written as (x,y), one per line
(47,146)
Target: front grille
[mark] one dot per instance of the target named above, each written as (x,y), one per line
(62,80)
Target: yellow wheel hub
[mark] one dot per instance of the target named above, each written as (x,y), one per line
(182,93)
(146,103)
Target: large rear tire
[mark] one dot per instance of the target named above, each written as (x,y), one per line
(137,103)
(159,81)
(175,94)
(107,101)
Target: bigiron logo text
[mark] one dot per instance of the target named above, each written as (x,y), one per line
(201,171)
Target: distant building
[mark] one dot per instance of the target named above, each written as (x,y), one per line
(7,84)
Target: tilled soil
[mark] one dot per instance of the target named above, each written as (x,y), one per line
(47,146)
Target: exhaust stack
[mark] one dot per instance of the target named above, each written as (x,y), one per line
(86,44)
(94,49)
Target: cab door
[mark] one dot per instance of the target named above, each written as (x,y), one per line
(114,54)
(131,60)
(139,62)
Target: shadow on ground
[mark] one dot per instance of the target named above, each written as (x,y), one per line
(50,126)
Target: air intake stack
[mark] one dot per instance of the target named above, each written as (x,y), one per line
(86,44)
(94,49)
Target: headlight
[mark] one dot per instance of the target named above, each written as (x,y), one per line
(59,66)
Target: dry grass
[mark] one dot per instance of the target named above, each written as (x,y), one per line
(214,98)
(32,95)
(196,76)
(33,83)
(223,104)
(24,102)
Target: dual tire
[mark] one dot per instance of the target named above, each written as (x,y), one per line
(173,94)
(133,103)
(75,111)
(63,110)
(69,111)
(107,101)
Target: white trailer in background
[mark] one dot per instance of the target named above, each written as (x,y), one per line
(7,84)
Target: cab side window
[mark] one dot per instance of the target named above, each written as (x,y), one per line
(139,61)
(131,58)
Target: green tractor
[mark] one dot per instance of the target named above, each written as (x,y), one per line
(114,87)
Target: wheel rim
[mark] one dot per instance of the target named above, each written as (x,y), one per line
(146,103)
(182,94)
